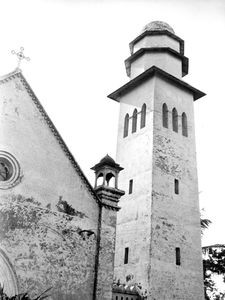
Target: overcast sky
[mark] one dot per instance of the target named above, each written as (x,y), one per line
(77,51)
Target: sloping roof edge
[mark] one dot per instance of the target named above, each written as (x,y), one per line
(148,73)
(18,73)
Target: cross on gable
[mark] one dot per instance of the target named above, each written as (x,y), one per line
(20,56)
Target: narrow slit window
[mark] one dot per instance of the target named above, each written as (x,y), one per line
(126,125)
(178,256)
(165,115)
(134,121)
(131,186)
(175,119)
(126,253)
(176,186)
(184,125)
(143,115)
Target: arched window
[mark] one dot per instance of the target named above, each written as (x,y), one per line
(134,121)
(184,125)
(143,115)
(165,115)
(175,120)
(126,125)
(110,180)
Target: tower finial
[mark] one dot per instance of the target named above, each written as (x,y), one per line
(20,56)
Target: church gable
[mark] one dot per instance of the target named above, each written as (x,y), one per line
(48,171)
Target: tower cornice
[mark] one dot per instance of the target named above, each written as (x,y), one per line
(157,32)
(154,71)
(142,51)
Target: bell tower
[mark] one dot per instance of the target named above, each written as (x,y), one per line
(158,242)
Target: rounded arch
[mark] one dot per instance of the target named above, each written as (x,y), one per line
(165,115)
(8,277)
(184,124)
(134,121)
(110,179)
(99,179)
(143,115)
(126,125)
(175,119)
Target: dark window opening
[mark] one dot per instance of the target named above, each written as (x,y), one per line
(134,121)
(126,255)
(176,186)
(178,256)
(131,186)
(165,115)
(175,119)
(184,125)
(126,125)
(143,115)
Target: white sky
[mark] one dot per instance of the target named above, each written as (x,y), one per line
(77,51)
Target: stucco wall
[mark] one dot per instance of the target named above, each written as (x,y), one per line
(133,220)
(175,218)
(153,221)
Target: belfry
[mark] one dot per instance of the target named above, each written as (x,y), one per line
(158,241)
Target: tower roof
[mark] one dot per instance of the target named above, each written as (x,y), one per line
(107,161)
(149,73)
(158,26)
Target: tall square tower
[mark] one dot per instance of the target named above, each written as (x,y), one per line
(158,242)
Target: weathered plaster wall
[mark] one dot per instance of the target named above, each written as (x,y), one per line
(134,153)
(48,249)
(164,61)
(157,41)
(175,218)
(153,221)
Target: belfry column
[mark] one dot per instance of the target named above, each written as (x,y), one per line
(106,188)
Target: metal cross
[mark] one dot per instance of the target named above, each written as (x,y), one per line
(20,56)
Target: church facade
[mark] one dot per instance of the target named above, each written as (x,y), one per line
(59,232)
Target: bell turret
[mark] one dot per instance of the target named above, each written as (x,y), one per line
(106,181)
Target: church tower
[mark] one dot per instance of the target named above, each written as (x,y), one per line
(158,244)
